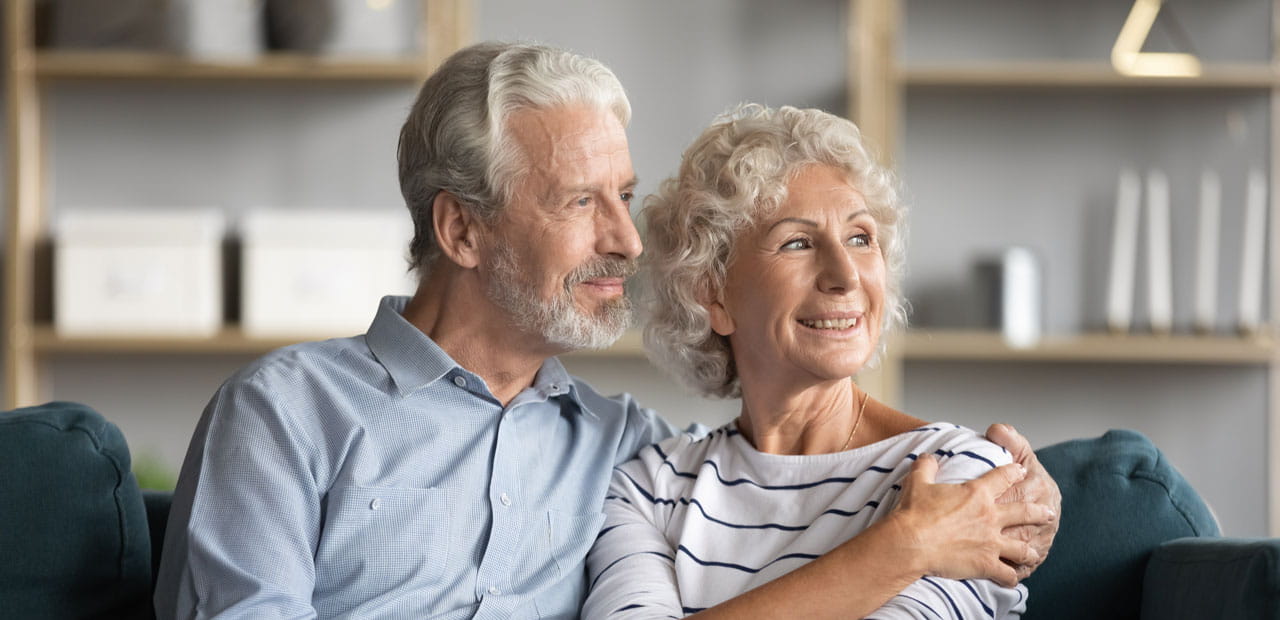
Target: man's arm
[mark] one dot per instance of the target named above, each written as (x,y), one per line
(245,517)
(1038,487)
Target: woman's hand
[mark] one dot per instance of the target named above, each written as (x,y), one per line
(1037,487)
(958,531)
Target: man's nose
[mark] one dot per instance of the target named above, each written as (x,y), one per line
(617,232)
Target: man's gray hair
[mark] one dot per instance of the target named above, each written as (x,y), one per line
(731,177)
(456,138)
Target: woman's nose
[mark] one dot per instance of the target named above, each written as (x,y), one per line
(838,273)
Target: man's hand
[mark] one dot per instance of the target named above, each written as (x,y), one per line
(960,531)
(1036,487)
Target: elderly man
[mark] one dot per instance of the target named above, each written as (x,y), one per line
(444,464)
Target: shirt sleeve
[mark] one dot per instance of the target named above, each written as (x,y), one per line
(934,598)
(245,518)
(631,568)
(645,427)
(964,458)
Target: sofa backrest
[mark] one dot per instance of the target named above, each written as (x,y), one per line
(1120,500)
(73,530)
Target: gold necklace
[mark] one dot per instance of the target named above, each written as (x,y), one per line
(862,407)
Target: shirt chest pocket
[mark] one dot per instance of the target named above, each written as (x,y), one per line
(383,535)
(571,537)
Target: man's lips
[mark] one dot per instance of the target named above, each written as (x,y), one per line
(606,285)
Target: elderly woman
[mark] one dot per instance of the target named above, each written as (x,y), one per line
(773,264)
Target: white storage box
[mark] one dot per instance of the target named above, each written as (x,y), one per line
(226,31)
(138,272)
(318,273)
(372,28)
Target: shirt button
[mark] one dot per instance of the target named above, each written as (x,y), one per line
(375,504)
(555,387)
(494,590)
(460,382)
(505,499)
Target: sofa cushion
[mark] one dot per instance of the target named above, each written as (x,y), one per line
(1213,578)
(1120,500)
(73,528)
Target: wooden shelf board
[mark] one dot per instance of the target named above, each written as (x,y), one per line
(230,340)
(1081,74)
(631,344)
(917,345)
(152,66)
(930,345)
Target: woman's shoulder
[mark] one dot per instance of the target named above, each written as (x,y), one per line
(681,454)
(952,441)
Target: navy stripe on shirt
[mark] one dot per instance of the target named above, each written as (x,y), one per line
(978,598)
(760,526)
(745,569)
(923,604)
(954,607)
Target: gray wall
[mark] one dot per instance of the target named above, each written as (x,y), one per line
(251,146)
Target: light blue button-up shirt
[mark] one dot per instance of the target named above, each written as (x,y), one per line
(373,477)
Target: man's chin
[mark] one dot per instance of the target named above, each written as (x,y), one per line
(599,330)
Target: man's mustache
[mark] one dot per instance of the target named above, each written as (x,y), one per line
(602,268)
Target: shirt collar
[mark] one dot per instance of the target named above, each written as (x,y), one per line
(411,358)
(414,360)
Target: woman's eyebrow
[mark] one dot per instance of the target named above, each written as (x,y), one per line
(813,224)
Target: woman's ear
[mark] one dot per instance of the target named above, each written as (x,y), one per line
(721,321)
(457,230)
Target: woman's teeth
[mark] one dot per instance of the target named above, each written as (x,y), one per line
(830,323)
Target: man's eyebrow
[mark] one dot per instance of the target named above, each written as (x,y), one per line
(590,188)
(813,224)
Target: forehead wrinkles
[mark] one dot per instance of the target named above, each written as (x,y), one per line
(571,150)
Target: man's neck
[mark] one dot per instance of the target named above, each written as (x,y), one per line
(454,312)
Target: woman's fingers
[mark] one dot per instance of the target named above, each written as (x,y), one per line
(1003,574)
(995,482)
(1017,552)
(924,471)
(1024,513)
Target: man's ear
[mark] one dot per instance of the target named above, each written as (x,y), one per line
(457,230)
(721,321)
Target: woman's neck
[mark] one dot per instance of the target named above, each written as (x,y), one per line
(819,419)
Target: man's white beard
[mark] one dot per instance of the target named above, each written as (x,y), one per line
(558,320)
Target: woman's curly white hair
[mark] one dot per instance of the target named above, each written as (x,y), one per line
(734,175)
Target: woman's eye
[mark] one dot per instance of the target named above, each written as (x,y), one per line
(796,244)
(860,241)
(584,201)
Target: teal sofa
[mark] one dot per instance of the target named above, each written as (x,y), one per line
(78,539)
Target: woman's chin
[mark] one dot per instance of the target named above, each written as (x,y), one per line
(826,371)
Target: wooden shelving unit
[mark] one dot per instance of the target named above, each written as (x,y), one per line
(113,66)
(1052,74)
(445,28)
(228,341)
(986,346)
(879,82)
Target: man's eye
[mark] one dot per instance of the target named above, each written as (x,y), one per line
(584,201)
(796,244)
(627,197)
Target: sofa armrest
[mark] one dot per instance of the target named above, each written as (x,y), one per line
(1213,578)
